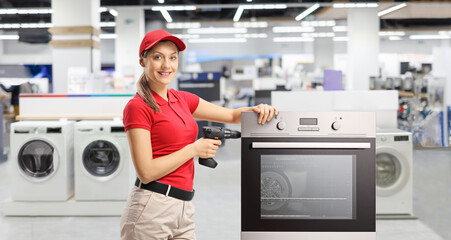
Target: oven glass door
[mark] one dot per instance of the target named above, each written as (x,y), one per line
(307,186)
(295,185)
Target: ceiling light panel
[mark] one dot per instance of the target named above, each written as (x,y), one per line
(255,24)
(264,6)
(429,37)
(217,40)
(392,9)
(293,39)
(241,8)
(6,11)
(292,29)
(392,33)
(213,30)
(187,36)
(183,25)
(174,8)
(25,25)
(108,36)
(320,23)
(166,15)
(319,34)
(355,5)
(307,12)
(252,35)
(107,24)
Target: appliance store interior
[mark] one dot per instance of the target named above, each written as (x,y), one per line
(360,148)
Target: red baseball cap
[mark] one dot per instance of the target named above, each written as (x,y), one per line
(152,38)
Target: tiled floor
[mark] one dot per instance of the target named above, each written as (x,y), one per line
(217,203)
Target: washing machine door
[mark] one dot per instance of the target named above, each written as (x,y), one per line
(101,158)
(36,159)
(392,171)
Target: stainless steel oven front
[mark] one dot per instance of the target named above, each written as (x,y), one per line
(308,175)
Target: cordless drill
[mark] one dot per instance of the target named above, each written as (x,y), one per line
(218,133)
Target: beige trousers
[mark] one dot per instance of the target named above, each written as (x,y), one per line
(154,216)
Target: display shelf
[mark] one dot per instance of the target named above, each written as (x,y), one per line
(410,94)
(65,208)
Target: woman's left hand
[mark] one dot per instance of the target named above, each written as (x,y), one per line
(265,112)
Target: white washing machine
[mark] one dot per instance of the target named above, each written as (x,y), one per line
(42,156)
(103,165)
(394,172)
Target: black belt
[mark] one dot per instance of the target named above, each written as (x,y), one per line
(167,190)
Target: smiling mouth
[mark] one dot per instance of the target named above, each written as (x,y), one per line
(164,73)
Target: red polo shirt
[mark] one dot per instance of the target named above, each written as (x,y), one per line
(171,129)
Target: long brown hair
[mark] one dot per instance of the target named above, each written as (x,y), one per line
(144,90)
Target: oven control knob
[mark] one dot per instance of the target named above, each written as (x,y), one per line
(281,125)
(336,125)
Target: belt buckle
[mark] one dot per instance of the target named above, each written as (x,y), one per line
(168,190)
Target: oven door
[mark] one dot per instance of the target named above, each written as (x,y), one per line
(308,185)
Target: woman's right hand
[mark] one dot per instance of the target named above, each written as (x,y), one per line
(206,148)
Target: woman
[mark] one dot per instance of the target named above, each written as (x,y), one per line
(162,133)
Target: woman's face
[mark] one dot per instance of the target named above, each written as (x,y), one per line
(161,63)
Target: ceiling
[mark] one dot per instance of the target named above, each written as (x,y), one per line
(418,14)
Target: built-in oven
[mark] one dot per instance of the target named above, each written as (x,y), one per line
(308,175)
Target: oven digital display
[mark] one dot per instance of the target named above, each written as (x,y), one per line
(308,121)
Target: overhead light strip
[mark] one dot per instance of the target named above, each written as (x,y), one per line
(243,7)
(392,33)
(238,14)
(292,29)
(213,30)
(355,5)
(183,25)
(187,36)
(166,15)
(217,40)
(174,8)
(319,23)
(6,11)
(307,12)
(107,24)
(293,39)
(429,37)
(113,12)
(251,24)
(25,25)
(251,35)
(319,34)
(108,36)
(392,9)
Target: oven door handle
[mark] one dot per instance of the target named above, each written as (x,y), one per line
(316,145)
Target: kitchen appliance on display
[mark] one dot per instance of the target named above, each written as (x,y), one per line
(42,156)
(394,173)
(308,175)
(103,166)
